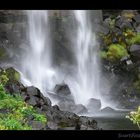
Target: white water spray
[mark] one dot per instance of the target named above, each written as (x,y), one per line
(85,82)
(37,68)
(37,61)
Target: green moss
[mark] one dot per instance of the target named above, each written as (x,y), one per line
(103,54)
(135,117)
(133,40)
(39,117)
(12,74)
(115,52)
(17,76)
(3,78)
(18,112)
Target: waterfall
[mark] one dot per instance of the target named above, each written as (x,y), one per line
(84,84)
(37,67)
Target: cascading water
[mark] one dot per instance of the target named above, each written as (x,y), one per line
(37,68)
(37,60)
(84,84)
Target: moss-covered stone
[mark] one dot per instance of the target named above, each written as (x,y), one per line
(115,52)
(12,74)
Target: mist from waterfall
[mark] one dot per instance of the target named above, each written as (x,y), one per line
(37,67)
(84,84)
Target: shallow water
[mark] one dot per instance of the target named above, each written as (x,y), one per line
(115,121)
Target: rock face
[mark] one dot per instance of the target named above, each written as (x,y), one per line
(135,50)
(57,119)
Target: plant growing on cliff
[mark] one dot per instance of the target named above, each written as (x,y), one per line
(135,117)
(134,39)
(3,78)
(16,112)
(115,52)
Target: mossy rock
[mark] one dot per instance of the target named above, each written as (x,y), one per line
(12,74)
(115,52)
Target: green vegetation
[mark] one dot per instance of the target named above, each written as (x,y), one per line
(14,112)
(115,52)
(134,40)
(3,78)
(135,117)
(12,74)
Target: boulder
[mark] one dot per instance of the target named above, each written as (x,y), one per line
(94,105)
(80,109)
(32,91)
(52,125)
(123,22)
(135,50)
(107,110)
(32,101)
(70,106)
(46,100)
(62,89)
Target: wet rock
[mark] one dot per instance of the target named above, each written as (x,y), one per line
(137,18)
(32,91)
(94,105)
(104,29)
(134,48)
(52,125)
(32,101)
(61,119)
(24,96)
(36,125)
(137,28)
(107,110)
(88,122)
(56,107)
(72,107)
(62,89)
(123,22)
(60,97)
(46,100)
(80,109)
(83,127)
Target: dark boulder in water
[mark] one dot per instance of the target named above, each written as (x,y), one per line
(108,110)
(62,89)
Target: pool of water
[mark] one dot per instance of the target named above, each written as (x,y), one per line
(116,121)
